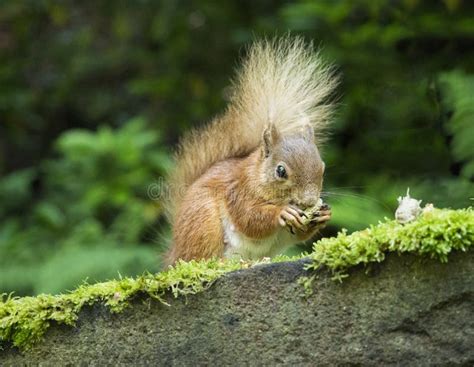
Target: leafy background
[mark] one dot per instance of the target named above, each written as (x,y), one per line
(94,94)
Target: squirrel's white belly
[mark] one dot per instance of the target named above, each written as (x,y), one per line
(239,246)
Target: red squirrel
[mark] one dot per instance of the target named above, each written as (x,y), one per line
(241,184)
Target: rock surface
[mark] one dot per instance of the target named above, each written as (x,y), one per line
(405,311)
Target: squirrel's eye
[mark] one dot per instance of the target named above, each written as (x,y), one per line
(281,171)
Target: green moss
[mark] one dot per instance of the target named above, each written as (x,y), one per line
(435,234)
(307,284)
(24,320)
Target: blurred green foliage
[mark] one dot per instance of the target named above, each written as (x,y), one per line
(458,102)
(76,162)
(92,216)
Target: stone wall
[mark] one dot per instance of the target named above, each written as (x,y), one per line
(407,310)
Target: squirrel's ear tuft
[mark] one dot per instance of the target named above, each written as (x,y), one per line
(270,138)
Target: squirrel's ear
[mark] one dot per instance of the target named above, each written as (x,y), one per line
(270,138)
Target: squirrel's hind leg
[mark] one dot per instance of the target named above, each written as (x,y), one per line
(197,230)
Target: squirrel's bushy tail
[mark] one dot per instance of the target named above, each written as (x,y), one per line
(282,81)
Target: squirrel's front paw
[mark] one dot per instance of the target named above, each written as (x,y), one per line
(291,218)
(321,217)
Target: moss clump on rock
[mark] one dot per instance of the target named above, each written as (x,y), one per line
(435,233)
(24,320)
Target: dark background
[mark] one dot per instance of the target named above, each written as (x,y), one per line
(94,94)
